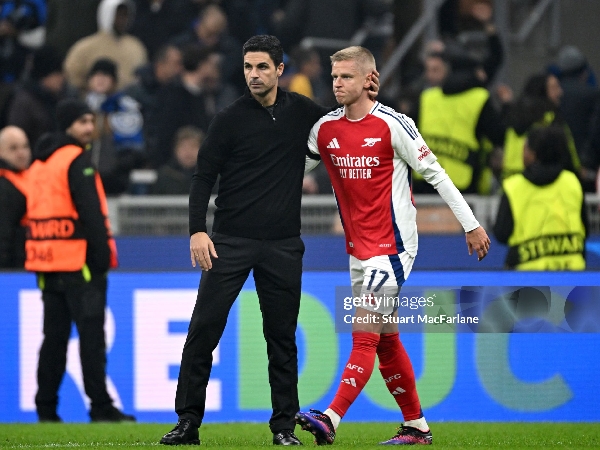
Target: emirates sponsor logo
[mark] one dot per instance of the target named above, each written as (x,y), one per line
(355,161)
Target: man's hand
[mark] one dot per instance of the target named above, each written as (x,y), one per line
(479,241)
(201,250)
(374,85)
(309,185)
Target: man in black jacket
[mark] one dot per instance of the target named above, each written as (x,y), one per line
(258,145)
(15,155)
(70,248)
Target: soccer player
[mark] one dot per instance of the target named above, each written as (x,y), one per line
(369,150)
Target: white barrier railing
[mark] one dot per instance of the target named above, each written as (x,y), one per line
(168,215)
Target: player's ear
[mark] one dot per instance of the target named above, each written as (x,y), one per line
(280,68)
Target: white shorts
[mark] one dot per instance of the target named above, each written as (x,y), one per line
(380,277)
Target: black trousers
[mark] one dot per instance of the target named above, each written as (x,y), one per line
(69,298)
(277,268)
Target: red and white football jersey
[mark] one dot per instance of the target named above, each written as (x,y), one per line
(369,163)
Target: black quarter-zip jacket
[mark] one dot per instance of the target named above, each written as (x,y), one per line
(260,158)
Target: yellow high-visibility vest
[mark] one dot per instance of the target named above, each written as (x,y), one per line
(512,161)
(448,123)
(548,231)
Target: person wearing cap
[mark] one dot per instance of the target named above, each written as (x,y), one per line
(119,147)
(101,82)
(454,119)
(70,248)
(33,105)
(15,156)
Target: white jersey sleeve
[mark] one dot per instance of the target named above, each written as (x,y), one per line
(411,147)
(311,163)
(457,204)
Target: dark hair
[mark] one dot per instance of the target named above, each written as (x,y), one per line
(106,66)
(46,61)
(536,86)
(163,51)
(265,43)
(549,145)
(193,55)
(532,105)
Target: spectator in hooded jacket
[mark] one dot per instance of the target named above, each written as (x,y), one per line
(111,41)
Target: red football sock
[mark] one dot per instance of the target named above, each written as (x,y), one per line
(357,371)
(397,371)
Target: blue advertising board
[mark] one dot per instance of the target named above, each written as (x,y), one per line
(460,376)
(328,252)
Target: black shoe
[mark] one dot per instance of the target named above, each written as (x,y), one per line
(184,433)
(286,437)
(49,417)
(110,414)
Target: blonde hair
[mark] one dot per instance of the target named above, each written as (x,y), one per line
(363,57)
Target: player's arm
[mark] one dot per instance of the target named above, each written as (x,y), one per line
(505,224)
(211,158)
(82,183)
(412,148)
(313,157)
(476,237)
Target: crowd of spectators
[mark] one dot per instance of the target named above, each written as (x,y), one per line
(156,70)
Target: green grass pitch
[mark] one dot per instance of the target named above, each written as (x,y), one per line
(350,435)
